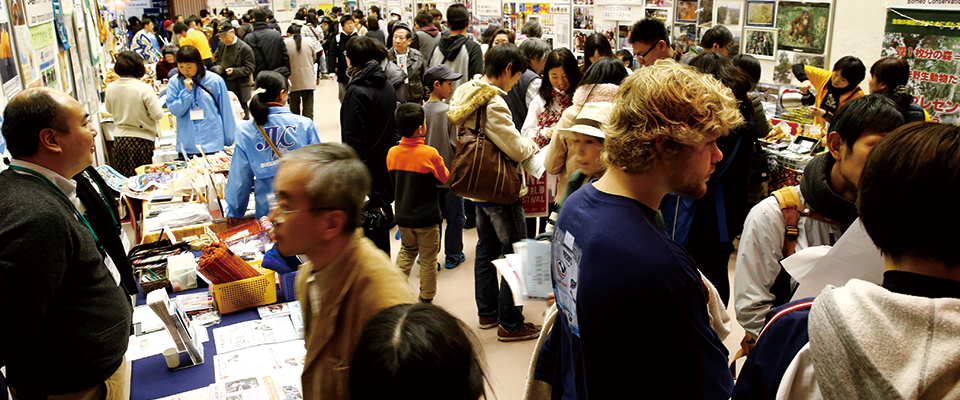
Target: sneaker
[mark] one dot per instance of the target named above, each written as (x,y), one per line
(526,332)
(423,300)
(488,323)
(453,262)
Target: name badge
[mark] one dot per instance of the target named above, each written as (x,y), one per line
(196,114)
(112,267)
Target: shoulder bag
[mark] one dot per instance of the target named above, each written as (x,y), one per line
(480,170)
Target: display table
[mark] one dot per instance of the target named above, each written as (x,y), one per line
(151,379)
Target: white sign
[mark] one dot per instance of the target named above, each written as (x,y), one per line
(618,13)
(39,12)
(139,4)
(488,8)
(925,4)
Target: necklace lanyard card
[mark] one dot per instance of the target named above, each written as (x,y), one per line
(196,114)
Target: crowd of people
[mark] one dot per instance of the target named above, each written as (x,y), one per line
(650,182)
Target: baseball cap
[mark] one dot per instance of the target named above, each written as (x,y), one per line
(590,118)
(167,23)
(437,73)
(225,27)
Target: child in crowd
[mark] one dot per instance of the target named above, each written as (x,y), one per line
(626,57)
(442,135)
(416,170)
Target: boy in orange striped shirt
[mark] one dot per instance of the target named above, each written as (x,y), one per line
(416,170)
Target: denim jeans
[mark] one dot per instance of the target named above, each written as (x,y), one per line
(452,206)
(498,227)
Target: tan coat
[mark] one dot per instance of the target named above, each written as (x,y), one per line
(360,283)
(499,127)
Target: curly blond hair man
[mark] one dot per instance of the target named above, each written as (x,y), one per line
(627,293)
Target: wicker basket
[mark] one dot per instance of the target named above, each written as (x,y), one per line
(149,286)
(246,293)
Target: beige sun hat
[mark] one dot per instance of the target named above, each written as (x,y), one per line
(591,117)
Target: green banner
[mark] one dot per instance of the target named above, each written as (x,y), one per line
(930,42)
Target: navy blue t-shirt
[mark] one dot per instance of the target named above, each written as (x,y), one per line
(633,316)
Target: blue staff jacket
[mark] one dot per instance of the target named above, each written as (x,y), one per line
(216,129)
(253,158)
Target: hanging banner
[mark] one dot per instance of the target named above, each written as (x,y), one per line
(39,12)
(930,42)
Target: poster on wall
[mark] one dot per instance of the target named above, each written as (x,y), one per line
(27,63)
(685,35)
(43,41)
(659,3)
(803,26)
(9,76)
(933,53)
(760,13)
(39,12)
(686,11)
(657,13)
(760,43)
(729,13)
(583,18)
(705,13)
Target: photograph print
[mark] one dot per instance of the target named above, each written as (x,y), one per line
(657,13)
(728,13)
(803,26)
(659,3)
(760,13)
(686,11)
(759,43)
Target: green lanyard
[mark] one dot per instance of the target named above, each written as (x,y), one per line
(75,210)
(103,194)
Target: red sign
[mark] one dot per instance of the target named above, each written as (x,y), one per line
(536,200)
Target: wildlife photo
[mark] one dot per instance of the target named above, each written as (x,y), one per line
(802,26)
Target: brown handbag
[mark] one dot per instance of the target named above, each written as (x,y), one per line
(480,170)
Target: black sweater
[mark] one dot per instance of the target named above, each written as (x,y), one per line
(66,323)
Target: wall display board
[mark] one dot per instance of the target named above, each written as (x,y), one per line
(44,43)
(930,41)
(485,13)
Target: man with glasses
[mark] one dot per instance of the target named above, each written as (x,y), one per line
(651,41)
(321,190)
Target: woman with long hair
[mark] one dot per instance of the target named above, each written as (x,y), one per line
(201,104)
(254,158)
(303,78)
(596,47)
(888,78)
(560,79)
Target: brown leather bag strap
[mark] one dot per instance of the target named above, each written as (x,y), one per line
(267,138)
(481,120)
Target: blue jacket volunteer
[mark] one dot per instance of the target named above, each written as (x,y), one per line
(253,158)
(204,116)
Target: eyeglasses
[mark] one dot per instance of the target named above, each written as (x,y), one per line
(643,58)
(279,216)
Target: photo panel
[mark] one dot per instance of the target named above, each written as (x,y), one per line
(657,13)
(583,18)
(659,3)
(803,26)
(685,35)
(729,13)
(687,11)
(760,13)
(760,43)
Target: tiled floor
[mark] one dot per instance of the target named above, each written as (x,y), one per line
(506,363)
